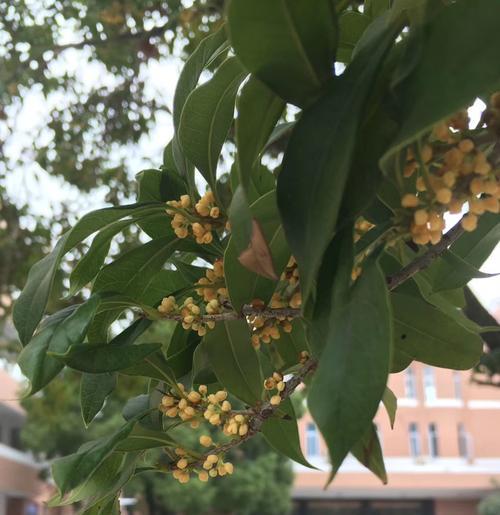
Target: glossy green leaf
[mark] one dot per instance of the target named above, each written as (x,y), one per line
(132,272)
(353,368)
(242,284)
(234,360)
(94,390)
(440,84)
(107,357)
(282,434)
(158,186)
(30,306)
(142,438)
(290,345)
(454,272)
(35,362)
(369,453)
(108,506)
(314,174)
(352,24)
(259,109)
(207,117)
(154,366)
(288,45)
(391,405)
(71,471)
(93,259)
(430,336)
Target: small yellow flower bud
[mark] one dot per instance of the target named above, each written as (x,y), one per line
(185,201)
(203,476)
(420,216)
(206,440)
(409,200)
(182,463)
(466,146)
(239,418)
(172,412)
(226,406)
(280,386)
(212,473)
(214,419)
(180,451)
(444,195)
(212,458)
(275,400)
(194,397)
(469,222)
(221,395)
(229,468)
(243,430)
(203,389)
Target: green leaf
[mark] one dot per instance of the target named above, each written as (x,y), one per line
(391,405)
(145,407)
(132,273)
(108,506)
(430,336)
(93,259)
(288,45)
(353,368)
(206,52)
(94,390)
(207,117)
(154,366)
(400,360)
(440,84)
(107,357)
(282,434)
(290,345)
(31,304)
(35,362)
(71,471)
(352,24)
(234,360)
(159,186)
(142,438)
(453,272)
(369,453)
(244,285)
(314,173)
(259,109)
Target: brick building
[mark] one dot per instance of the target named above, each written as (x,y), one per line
(21,490)
(442,456)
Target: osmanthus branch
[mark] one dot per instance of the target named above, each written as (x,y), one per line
(393,281)
(257,415)
(425,260)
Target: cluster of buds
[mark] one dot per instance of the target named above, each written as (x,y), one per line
(451,171)
(191,314)
(265,330)
(188,406)
(275,382)
(213,286)
(202,218)
(212,466)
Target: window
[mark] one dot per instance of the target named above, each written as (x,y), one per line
(410,384)
(463,441)
(414,440)
(433,441)
(312,440)
(429,384)
(457,384)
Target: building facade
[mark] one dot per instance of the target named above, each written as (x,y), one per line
(21,490)
(442,457)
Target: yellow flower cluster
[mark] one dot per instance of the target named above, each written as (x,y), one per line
(212,466)
(191,314)
(275,382)
(451,171)
(213,286)
(202,218)
(194,406)
(265,330)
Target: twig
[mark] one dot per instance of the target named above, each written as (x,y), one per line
(258,415)
(247,310)
(424,261)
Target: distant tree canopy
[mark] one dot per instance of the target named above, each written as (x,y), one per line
(318,254)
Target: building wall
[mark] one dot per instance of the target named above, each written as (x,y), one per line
(455,480)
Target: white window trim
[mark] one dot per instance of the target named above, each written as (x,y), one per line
(444,403)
